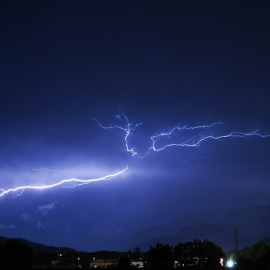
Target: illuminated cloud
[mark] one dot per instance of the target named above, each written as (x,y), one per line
(41,226)
(25,217)
(3,226)
(44,209)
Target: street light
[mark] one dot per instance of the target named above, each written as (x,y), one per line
(230,263)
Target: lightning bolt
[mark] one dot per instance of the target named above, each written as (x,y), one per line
(127,130)
(75,182)
(196,141)
(200,134)
(56,171)
(185,141)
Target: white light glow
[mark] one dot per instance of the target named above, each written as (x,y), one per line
(230,263)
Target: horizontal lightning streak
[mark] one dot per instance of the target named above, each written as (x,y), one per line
(196,142)
(56,171)
(193,141)
(74,181)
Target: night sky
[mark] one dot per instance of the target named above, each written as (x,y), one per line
(161,63)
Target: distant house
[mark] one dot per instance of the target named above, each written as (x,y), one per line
(54,267)
(137,264)
(103,263)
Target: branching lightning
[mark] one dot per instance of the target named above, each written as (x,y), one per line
(201,135)
(178,136)
(196,141)
(72,182)
(56,171)
(127,130)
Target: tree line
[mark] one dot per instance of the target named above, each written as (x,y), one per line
(190,255)
(196,254)
(256,257)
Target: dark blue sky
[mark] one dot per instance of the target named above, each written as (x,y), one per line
(65,63)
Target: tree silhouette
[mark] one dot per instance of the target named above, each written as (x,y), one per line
(159,257)
(136,253)
(198,254)
(256,257)
(124,262)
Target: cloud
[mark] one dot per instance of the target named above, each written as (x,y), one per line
(3,226)
(25,217)
(44,209)
(41,226)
